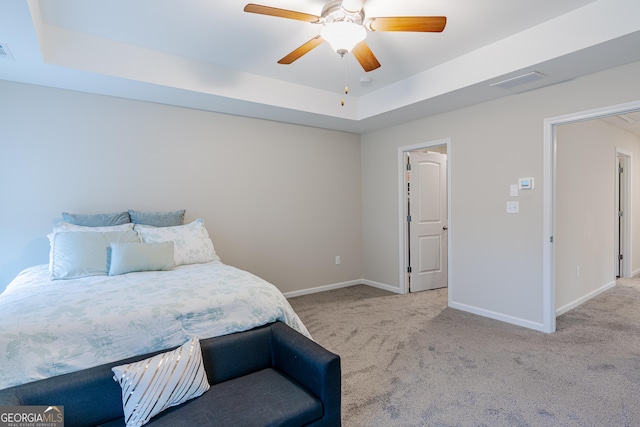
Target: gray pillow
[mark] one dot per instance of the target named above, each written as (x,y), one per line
(97,220)
(158,219)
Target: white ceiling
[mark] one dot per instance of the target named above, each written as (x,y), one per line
(211,55)
(629,121)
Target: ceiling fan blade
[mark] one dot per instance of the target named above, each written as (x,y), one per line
(302,50)
(423,24)
(365,57)
(281,13)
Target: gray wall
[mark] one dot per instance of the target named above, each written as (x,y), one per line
(496,259)
(282,201)
(278,200)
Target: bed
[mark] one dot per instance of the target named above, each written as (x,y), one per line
(53,326)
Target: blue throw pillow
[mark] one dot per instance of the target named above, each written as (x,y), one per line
(84,253)
(97,220)
(130,257)
(158,219)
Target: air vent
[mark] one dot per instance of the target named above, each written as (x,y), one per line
(519,80)
(627,118)
(365,81)
(5,53)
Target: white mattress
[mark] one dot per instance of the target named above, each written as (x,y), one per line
(48,328)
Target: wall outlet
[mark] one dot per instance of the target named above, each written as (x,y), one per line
(338,260)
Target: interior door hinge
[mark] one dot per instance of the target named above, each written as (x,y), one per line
(408,218)
(620,256)
(409,269)
(551,240)
(408,166)
(620,169)
(620,213)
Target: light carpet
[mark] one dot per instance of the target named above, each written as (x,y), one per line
(408,360)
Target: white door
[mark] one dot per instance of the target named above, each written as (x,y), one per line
(428,221)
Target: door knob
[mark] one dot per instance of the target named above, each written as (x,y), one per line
(444,227)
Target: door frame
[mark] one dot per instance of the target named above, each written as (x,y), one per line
(627,161)
(549,202)
(402,212)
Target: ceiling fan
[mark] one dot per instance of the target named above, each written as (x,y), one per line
(345,27)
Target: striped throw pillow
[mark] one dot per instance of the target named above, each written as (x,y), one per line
(168,379)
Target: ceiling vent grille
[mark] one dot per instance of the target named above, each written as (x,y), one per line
(5,53)
(627,118)
(519,80)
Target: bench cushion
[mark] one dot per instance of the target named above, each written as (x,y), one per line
(264,398)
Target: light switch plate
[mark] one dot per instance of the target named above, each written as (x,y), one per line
(513,190)
(513,207)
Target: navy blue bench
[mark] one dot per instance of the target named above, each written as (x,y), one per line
(268,376)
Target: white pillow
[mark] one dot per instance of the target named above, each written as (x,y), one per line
(191,242)
(67,226)
(84,253)
(168,379)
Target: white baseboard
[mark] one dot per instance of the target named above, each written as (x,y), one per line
(498,316)
(584,298)
(382,286)
(324,288)
(635,273)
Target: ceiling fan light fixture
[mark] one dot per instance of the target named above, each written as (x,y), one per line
(343,36)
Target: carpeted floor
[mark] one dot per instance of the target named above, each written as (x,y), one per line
(408,360)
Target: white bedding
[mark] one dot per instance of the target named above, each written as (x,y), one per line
(49,327)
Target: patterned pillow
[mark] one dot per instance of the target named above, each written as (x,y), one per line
(191,242)
(67,226)
(168,379)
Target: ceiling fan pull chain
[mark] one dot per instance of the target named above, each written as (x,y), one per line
(344,75)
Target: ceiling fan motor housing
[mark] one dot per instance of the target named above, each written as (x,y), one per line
(334,12)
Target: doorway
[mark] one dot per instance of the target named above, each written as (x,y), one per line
(549,201)
(622,211)
(424,255)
